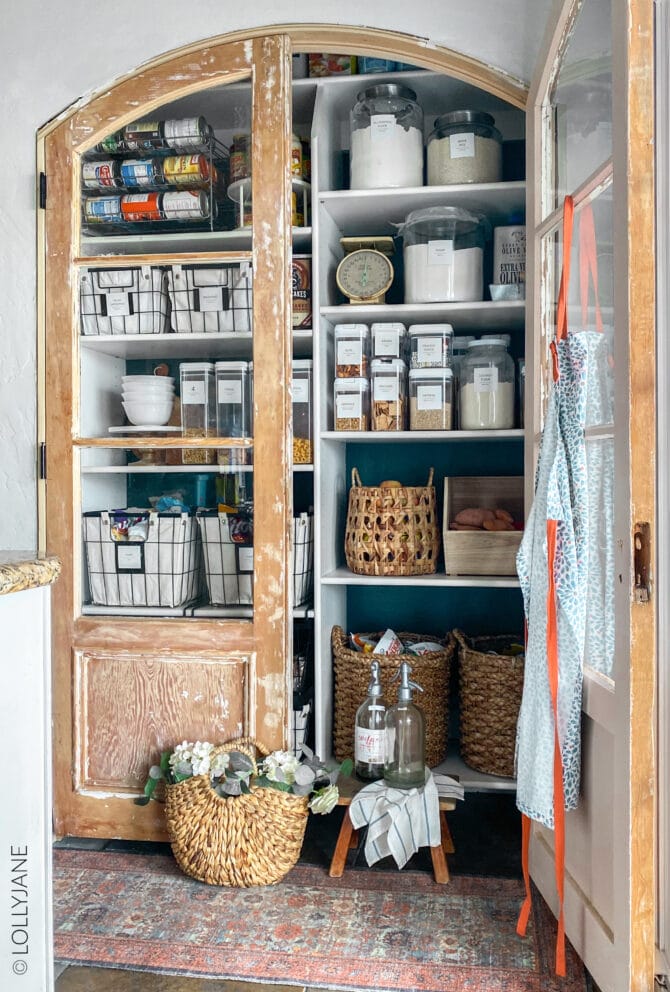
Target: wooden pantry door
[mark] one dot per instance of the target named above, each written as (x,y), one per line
(124,688)
(591,136)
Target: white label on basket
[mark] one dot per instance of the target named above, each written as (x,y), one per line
(245,559)
(349,352)
(440,253)
(129,557)
(386,343)
(230,391)
(349,406)
(462,145)
(300,390)
(193,392)
(118,304)
(387,388)
(210,298)
(485,380)
(382,126)
(369,745)
(429,351)
(429,397)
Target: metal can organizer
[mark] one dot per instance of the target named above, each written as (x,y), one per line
(301,280)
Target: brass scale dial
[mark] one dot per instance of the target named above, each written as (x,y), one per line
(365,273)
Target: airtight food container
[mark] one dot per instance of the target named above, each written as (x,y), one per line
(443,255)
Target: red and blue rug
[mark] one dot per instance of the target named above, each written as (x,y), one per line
(371,931)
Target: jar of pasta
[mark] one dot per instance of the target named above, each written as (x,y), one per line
(301,393)
(389,394)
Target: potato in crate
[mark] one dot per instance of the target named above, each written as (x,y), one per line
(482,524)
(211,298)
(124,301)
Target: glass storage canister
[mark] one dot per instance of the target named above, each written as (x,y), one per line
(386,138)
(464,147)
(431,399)
(352,350)
(352,404)
(443,255)
(430,345)
(198,409)
(388,340)
(233,410)
(389,394)
(486,390)
(301,392)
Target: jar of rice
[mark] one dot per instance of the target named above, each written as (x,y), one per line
(464,147)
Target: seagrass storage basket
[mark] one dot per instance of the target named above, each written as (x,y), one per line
(491,682)
(352,677)
(252,839)
(391,530)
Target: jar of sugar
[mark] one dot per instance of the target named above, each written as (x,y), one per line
(486,394)
(443,255)
(464,147)
(386,138)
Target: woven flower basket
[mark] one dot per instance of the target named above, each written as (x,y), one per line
(352,677)
(391,531)
(490,697)
(245,840)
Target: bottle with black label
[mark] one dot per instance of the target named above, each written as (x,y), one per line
(370,730)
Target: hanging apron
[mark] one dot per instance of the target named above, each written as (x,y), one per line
(553,568)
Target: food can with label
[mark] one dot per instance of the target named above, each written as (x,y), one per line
(306,160)
(185,132)
(184,170)
(143,134)
(140,172)
(97,174)
(297,216)
(102,209)
(111,144)
(301,283)
(240,157)
(141,206)
(296,156)
(185,205)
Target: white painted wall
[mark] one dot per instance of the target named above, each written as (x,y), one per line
(53,54)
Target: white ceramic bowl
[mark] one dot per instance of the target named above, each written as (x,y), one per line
(149,391)
(141,412)
(161,379)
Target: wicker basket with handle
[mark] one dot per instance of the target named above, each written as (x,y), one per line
(352,676)
(391,530)
(491,682)
(252,839)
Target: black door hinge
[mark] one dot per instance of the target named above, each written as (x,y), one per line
(43,460)
(43,191)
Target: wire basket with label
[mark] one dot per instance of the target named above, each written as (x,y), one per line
(211,298)
(123,301)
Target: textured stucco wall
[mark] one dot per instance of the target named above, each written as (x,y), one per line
(54,54)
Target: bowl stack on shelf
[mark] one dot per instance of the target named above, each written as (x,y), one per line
(148,399)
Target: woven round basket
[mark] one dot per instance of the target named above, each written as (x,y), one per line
(352,677)
(391,531)
(245,840)
(490,697)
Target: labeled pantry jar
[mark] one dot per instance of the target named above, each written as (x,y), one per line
(430,345)
(352,404)
(389,394)
(386,138)
(443,255)
(431,399)
(352,350)
(301,392)
(464,147)
(198,409)
(233,410)
(388,340)
(486,389)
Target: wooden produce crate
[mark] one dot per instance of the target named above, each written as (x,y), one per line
(481,552)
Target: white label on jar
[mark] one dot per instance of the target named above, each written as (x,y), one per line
(193,392)
(118,303)
(462,145)
(440,253)
(429,351)
(369,746)
(230,391)
(245,558)
(300,390)
(387,388)
(486,379)
(429,398)
(386,343)
(349,352)
(350,405)
(210,298)
(382,126)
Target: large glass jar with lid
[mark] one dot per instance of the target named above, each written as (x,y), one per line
(486,392)
(386,138)
(443,255)
(464,147)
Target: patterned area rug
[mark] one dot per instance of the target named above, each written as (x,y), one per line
(370,931)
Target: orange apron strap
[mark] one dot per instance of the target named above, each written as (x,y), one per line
(522,922)
(562,310)
(588,266)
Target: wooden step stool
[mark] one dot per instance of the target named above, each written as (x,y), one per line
(348,837)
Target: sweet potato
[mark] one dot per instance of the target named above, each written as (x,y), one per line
(474,516)
(454,526)
(504,515)
(497,524)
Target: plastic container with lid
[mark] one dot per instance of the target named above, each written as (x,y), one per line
(431,401)
(388,379)
(486,389)
(352,404)
(352,350)
(430,345)
(386,138)
(301,392)
(198,409)
(464,147)
(443,255)
(233,414)
(388,340)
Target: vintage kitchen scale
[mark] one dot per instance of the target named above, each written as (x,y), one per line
(365,274)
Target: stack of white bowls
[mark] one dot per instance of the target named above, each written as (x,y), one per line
(147,399)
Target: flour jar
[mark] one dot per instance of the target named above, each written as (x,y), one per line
(464,147)
(486,393)
(386,138)
(443,254)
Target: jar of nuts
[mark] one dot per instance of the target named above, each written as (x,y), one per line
(389,395)
(301,392)
(352,404)
(430,345)
(430,399)
(198,409)
(352,350)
